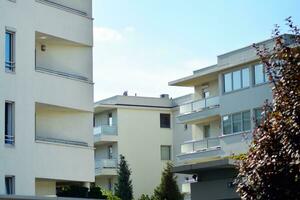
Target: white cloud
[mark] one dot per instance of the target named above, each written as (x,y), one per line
(104,34)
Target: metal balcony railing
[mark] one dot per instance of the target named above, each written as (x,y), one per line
(61,141)
(9,139)
(105,130)
(199,105)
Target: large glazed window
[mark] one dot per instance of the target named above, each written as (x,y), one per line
(260,75)
(227,124)
(236,80)
(9,51)
(237,122)
(228,82)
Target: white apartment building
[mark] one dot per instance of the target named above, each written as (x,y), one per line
(46,95)
(226,105)
(140,128)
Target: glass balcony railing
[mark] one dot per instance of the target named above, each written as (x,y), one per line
(199,145)
(105,130)
(106,163)
(199,105)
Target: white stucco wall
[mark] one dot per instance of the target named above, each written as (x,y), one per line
(27,159)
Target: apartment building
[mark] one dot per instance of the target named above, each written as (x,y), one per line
(140,128)
(46,96)
(226,105)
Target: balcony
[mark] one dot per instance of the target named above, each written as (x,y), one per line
(82,8)
(198,110)
(105,134)
(106,167)
(214,148)
(63,58)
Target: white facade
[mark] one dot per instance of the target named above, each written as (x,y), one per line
(130,126)
(52,94)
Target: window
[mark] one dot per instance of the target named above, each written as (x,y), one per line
(260,75)
(165,152)
(110,121)
(10,185)
(9,123)
(165,120)
(206,131)
(246,121)
(258,115)
(9,51)
(236,122)
(236,76)
(110,151)
(236,80)
(226,124)
(228,82)
(245,77)
(109,184)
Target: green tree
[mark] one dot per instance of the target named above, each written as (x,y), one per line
(271,169)
(123,187)
(168,188)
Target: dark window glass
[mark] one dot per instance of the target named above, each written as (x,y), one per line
(9,51)
(9,123)
(10,185)
(165,120)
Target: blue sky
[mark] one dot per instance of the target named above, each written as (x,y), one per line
(141,45)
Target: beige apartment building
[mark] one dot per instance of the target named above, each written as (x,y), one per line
(46,95)
(140,128)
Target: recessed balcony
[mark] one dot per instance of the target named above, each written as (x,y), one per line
(105,134)
(198,110)
(106,167)
(63,58)
(214,148)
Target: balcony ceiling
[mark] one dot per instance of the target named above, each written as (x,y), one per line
(50,39)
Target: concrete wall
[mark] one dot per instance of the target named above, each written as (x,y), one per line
(102,118)
(27,159)
(213,89)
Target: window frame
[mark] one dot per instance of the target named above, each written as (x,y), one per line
(264,75)
(231,122)
(9,138)
(10,191)
(240,70)
(169,152)
(10,66)
(162,125)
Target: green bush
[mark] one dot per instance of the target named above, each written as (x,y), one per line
(109,195)
(96,193)
(73,191)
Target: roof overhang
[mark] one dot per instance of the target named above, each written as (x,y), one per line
(205,166)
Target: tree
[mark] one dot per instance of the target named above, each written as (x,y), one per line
(168,188)
(271,169)
(123,188)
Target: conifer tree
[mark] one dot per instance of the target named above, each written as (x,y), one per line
(168,188)
(123,187)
